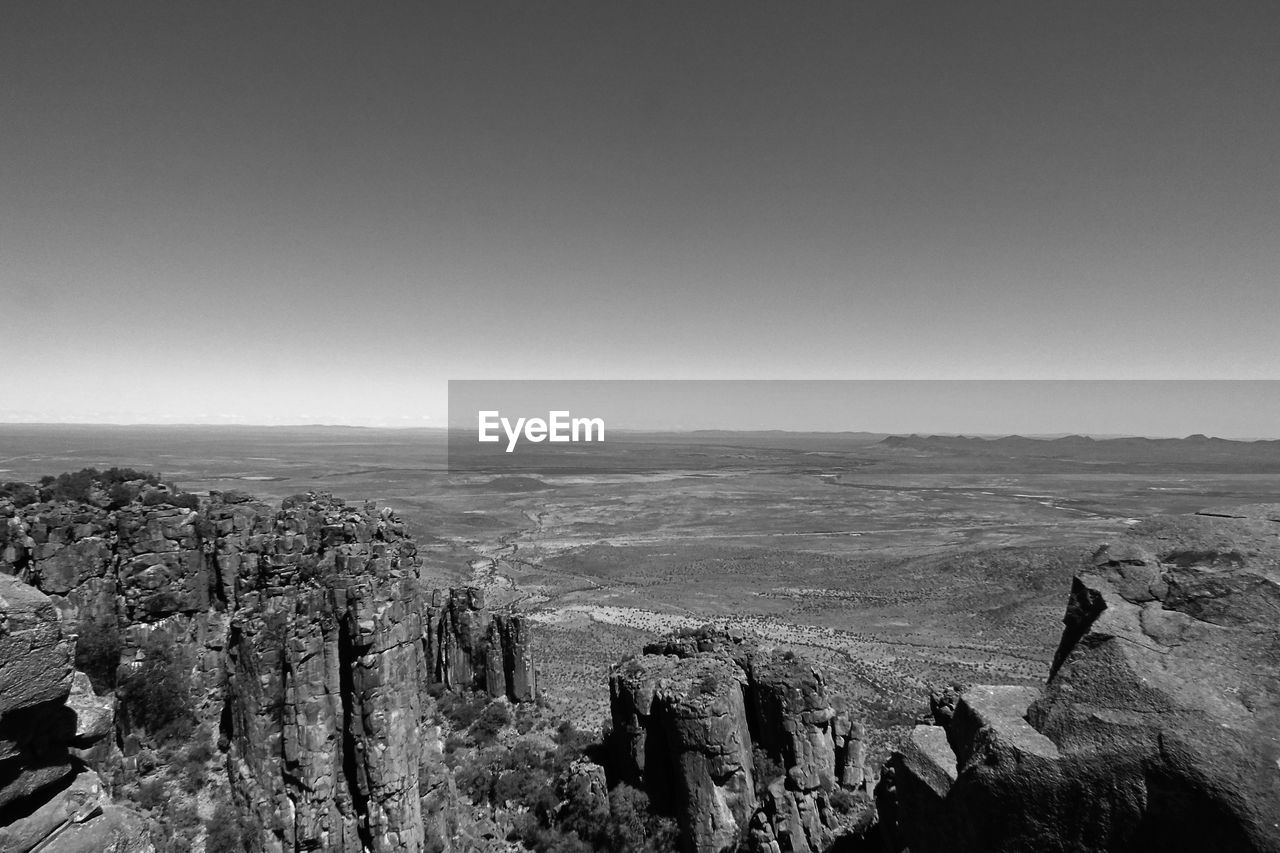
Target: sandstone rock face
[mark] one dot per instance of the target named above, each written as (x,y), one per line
(327,681)
(324,705)
(688,743)
(312,644)
(470,647)
(46,709)
(1159,728)
(686,718)
(36,727)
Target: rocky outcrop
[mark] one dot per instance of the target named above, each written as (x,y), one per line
(323,710)
(311,639)
(328,677)
(48,799)
(686,742)
(1159,727)
(470,647)
(688,718)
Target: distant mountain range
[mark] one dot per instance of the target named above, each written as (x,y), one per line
(1192,447)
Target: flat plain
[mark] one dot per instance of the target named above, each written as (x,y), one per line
(893,564)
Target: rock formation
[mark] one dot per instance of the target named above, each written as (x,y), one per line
(48,798)
(311,640)
(467,646)
(687,717)
(314,647)
(1159,728)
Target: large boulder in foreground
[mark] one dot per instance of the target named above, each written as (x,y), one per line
(1158,730)
(48,800)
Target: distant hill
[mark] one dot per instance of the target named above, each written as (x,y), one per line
(1193,448)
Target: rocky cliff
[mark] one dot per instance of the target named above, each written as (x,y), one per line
(309,635)
(741,743)
(49,799)
(1159,726)
(319,669)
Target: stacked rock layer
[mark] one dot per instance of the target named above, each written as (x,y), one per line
(1159,727)
(311,638)
(688,718)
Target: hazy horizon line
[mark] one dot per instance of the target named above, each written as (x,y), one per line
(918,433)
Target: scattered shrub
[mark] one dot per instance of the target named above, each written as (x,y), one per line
(194,776)
(21,494)
(119,486)
(461,709)
(492,720)
(557,810)
(225,830)
(842,801)
(151,794)
(122,494)
(767,769)
(453,744)
(98,652)
(157,696)
(79,485)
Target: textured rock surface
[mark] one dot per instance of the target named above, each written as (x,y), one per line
(687,716)
(47,800)
(1159,728)
(311,640)
(36,727)
(469,647)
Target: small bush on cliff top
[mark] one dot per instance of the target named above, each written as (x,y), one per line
(21,494)
(121,486)
(78,485)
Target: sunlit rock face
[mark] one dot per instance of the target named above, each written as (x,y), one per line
(688,717)
(470,647)
(1159,726)
(48,799)
(311,638)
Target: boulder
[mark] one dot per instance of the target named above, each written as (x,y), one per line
(94,715)
(1158,728)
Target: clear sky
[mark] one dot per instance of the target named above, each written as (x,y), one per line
(319,211)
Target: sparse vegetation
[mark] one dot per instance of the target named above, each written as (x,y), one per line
(112,489)
(492,720)
(539,770)
(156,697)
(228,832)
(21,494)
(98,652)
(767,768)
(80,485)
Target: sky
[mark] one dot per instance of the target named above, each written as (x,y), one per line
(321,212)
